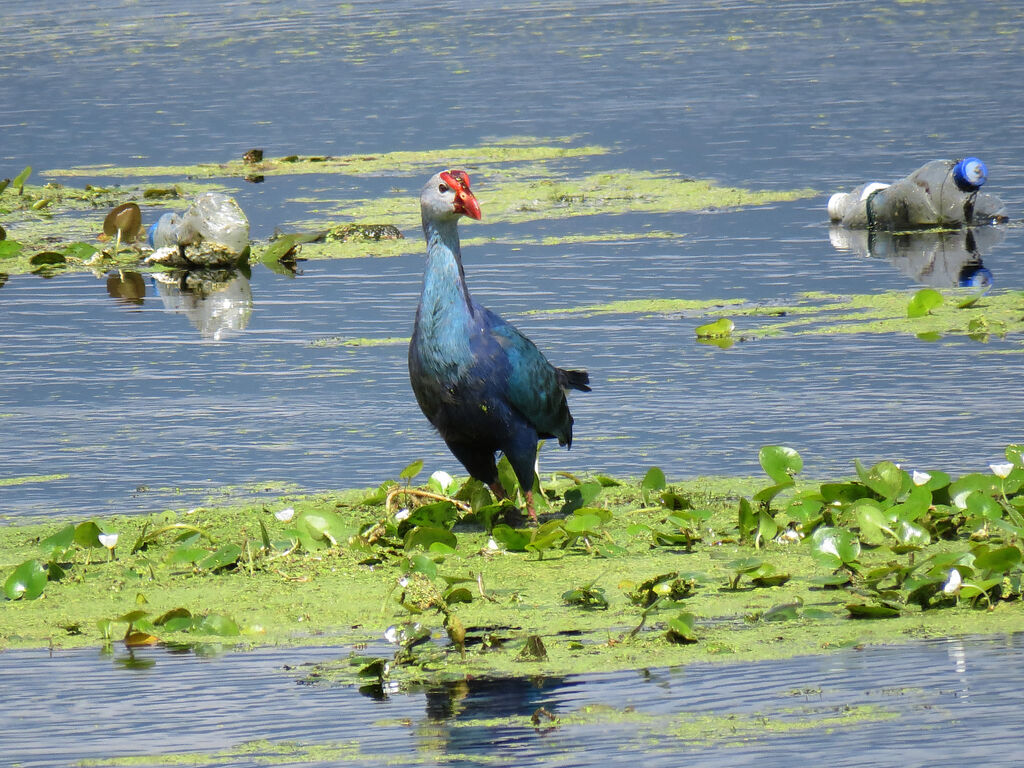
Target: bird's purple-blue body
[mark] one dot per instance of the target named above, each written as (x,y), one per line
(483,385)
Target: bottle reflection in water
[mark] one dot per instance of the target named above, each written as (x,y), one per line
(217,302)
(946,259)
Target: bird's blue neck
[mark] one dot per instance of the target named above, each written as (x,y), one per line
(444,283)
(445,306)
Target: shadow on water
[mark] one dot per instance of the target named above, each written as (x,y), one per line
(939,703)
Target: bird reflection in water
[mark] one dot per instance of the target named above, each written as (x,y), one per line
(940,259)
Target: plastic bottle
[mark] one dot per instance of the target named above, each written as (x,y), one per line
(216,220)
(942,193)
(164,231)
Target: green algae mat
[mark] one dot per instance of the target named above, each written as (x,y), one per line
(616,575)
(527,180)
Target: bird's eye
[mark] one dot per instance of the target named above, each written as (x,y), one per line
(442,188)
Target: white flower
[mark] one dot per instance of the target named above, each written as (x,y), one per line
(402,514)
(391,634)
(443,479)
(404,581)
(285,514)
(953,582)
(1001,470)
(108,540)
(492,545)
(920,478)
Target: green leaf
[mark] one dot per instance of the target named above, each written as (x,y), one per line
(28,581)
(512,539)
(783,612)
(9,248)
(21,178)
(1015,454)
(747,519)
(923,302)
(87,535)
(997,561)
(223,557)
(507,477)
(884,478)
(582,495)
(653,481)
(420,563)
(59,541)
(780,463)
(718,329)
(881,610)
(834,546)
(175,614)
(216,624)
(186,555)
(912,534)
(421,537)
(681,628)
(546,536)
(412,470)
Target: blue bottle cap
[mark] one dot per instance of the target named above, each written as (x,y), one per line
(970,173)
(979,277)
(152,231)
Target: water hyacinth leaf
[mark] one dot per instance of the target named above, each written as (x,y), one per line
(783,612)
(186,555)
(173,615)
(980,505)
(132,617)
(582,524)
(582,495)
(997,560)
(412,470)
(805,509)
(423,537)
(961,488)
(28,581)
(765,495)
(718,329)
(681,628)
(747,518)
(21,178)
(880,610)
(510,538)
(60,540)
(225,556)
(884,478)
(873,521)
(80,251)
(653,481)
(87,535)
(507,476)
(911,534)
(844,493)
(138,639)
(780,462)
(830,581)
(458,595)
(323,526)
(546,536)
(420,563)
(1015,454)
(9,248)
(439,514)
(834,547)
(923,302)
(767,528)
(217,624)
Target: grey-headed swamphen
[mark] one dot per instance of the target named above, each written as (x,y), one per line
(483,385)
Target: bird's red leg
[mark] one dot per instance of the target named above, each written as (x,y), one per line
(498,490)
(529,505)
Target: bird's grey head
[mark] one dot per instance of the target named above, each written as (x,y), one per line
(447,196)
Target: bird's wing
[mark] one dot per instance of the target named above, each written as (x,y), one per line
(533,387)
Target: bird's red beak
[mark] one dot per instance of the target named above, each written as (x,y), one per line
(465,203)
